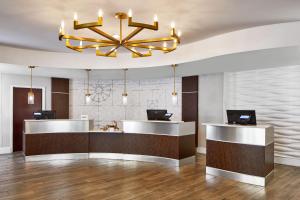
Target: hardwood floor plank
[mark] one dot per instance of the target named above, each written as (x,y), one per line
(112,179)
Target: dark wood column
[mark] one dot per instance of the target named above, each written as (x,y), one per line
(60,97)
(190,101)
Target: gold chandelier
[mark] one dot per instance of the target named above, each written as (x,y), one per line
(116,41)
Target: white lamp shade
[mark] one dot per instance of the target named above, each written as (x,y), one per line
(174,99)
(30,97)
(124,99)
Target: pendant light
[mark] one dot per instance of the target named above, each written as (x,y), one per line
(125,94)
(174,93)
(30,97)
(88,94)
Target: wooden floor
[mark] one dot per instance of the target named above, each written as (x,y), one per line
(110,179)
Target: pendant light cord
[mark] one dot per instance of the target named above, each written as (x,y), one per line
(120,31)
(88,86)
(174,73)
(125,89)
(31,79)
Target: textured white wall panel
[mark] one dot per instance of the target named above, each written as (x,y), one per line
(275,95)
(107,106)
(210,103)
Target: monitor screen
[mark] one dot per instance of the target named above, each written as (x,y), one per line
(157,115)
(45,114)
(246,117)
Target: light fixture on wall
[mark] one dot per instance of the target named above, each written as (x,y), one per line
(174,93)
(88,94)
(125,94)
(138,48)
(30,97)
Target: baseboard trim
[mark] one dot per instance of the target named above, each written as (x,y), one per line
(287,161)
(201,150)
(5,150)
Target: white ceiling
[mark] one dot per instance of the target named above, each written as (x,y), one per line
(276,57)
(34,24)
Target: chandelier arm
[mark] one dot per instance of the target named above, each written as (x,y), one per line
(165,49)
(77,26)
(132,34)
(103,34)
(175,36)
(74,48)
(80,49)
(134,51)
(68,44)
(97,45)
(112,50)
(71,37)
(142,25)
(134,55)
(100,53)
(163,39)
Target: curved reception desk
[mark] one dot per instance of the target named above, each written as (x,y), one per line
(171,143)
(240,152)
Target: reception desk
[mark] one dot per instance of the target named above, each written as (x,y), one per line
(243,153)
(171,143)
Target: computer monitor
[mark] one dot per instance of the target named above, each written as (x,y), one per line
(244,117)
(158,115)
(45,114)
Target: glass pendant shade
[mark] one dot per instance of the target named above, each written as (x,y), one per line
(88,98)
(174,93)
(125,94)
(174,98)
(88,94)
(124,98)
(30,97)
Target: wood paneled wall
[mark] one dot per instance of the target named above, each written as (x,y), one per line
(60,97)
(190,101)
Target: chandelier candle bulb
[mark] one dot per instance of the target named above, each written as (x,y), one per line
(130,13)
(172,25)
(62,27)
(179,33)
(75,17)
(62,24)
(100,13)
(155,18)
(80,43)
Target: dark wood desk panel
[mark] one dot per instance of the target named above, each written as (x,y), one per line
(106,142)
(241,158)
(56,143)
(175,147)
(152,145)
(187,146)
